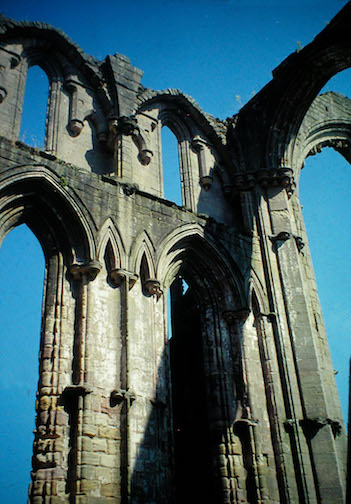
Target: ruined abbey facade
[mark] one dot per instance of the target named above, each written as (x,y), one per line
(238,403)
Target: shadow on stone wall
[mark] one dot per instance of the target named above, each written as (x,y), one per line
(197,445)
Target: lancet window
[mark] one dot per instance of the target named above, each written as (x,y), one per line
(33,124)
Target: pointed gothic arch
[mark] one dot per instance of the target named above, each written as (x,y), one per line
(143,248)
(200,139)
(192,238)
(34,195)
(327,123)
(205,355)
(297,82)
(109,234)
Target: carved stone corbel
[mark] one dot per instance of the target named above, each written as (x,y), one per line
(153,288)
(299,243)
(121,395)
(198,146)
(283,236)
(145,154)
(90,269)
(122,125)
(279,177)
(128,126)
(100,125)
(290,424)
(117,276)
(74,391)
(3,94)
(227,184)
(311,426)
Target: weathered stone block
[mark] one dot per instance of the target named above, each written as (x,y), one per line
(110,490)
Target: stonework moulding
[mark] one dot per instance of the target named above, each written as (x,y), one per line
(280,177)
(111,387)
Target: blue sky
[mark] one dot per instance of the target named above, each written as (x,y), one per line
(220,52)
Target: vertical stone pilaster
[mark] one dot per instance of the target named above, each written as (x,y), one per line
(329,483)
(243,426)
(49,458)
(204,173)
(272,408)
(77,397)
(124,396)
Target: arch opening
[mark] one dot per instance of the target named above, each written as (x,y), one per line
(34,111)
(191,429)
(172,184)
(20,310)
(323,192)
(204,390)
(340,82)
(34,197)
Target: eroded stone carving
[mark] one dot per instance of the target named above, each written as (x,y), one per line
(153,288)
(117,276)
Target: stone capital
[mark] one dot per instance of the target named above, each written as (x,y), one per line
(198,144)
(123,125)
(117,276)
(89,269)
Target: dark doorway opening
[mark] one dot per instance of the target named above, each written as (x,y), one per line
(194,481)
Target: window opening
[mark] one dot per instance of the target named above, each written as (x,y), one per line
(172,186)
(21,276)
(144,275)
(109,257)
(34,112)
(324,195)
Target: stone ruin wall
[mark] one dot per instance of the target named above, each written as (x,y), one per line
(114,249)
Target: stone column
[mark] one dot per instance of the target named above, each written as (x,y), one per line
(124,396)
(319,427)
(261,322)
(78,396)
(246,477)
(49,464)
